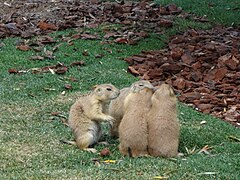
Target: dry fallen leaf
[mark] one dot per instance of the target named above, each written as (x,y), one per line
(85,53)
(133,71)
(36,58)
(77,63)
(12,71)
(160,177)
(234,138)
(24,47)
(68,86)
(121,40)
(109,161)
(105,152)
(46,26)
(205,150)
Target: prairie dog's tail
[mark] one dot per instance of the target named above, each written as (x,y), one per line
(129,152)
(68,142)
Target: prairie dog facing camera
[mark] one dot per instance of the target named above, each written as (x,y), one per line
(116,105)
(133,132)
(88,112)
(163,125)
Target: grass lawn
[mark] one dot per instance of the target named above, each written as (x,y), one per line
(30,133)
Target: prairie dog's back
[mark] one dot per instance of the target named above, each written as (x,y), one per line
(164,100)
(116,107)
(133,128)
(138,100)
(163,125)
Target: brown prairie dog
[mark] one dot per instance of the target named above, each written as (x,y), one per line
(87,113)
(163,125)
(116,105)
(133,127)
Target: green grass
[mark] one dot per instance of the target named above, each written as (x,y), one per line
(217,11)
(29,134)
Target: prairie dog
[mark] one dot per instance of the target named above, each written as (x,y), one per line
(133,127)
(163,125)
(116,105)
(87,113)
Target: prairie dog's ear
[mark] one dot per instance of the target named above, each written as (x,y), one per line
(155,88)
(94,87)
(147,89)
(171,92)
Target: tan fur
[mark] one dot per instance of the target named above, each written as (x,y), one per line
(133,127)
(87,113)
(116,105)
(163,125)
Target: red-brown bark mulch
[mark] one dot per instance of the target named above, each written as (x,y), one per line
(202,66)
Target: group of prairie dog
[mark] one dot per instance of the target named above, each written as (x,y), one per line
(142,116)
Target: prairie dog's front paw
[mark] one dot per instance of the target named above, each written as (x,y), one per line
(109,118)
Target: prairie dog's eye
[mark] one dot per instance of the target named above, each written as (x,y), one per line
(109,89)
(140,84)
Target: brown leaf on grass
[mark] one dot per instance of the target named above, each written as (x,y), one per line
(109,35)
(58,69)
(88,36)
(45,40)
(68,86)
(99,55)
(48,54)
(173,9)
(133,71)
(24,47)
(204,107)
(166,23)
(76,36)
(12,71)
(55,113)
(36,58)
(61,70)
(105,152)
(121,40)
(85,53)
(73,79)
(205,150)
(142,34)
(56,47)
(77,63)
(46,26)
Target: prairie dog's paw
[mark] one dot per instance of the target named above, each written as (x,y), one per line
(111,124)
(109,119)
(91,150)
